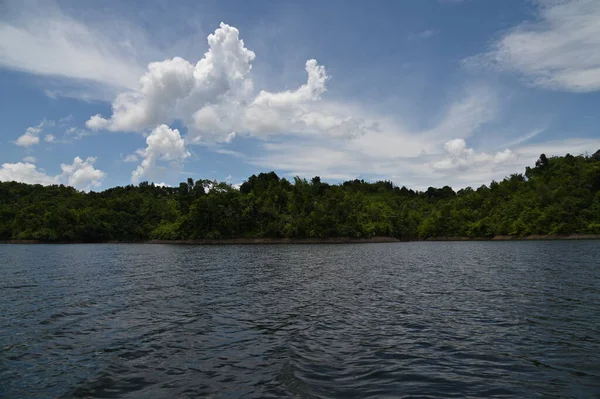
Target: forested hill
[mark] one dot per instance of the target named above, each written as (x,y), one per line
(559,195)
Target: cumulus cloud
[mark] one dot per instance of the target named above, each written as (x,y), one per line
(169,88)
(560,50)
(459,156)
(388,150)
(163,144)
(25,173)
(455,164)
(80,174)
(34,134)
(215,99)
(301,111)
(160,88)
(29,138)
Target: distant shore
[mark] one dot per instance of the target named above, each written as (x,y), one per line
(330,240)
(516,238)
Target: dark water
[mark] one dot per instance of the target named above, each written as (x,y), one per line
(421,320)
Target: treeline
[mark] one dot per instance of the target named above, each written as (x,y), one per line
(559,195)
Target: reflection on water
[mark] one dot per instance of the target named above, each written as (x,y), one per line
(466,319)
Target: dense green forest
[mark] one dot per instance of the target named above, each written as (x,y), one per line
(559,195)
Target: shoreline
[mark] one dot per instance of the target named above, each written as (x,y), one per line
(331,240)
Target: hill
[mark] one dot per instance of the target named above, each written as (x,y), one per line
(557,196)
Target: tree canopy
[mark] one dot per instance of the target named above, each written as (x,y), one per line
(559,195)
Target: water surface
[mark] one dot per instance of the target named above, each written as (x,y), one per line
(421,320)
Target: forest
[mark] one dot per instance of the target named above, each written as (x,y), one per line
(556,196)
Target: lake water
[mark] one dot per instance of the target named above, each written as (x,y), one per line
(421,320)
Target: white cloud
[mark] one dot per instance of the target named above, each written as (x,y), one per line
(42,40)
(97,122)
(82,174)
(163,144)
(231,153)
(526,137)
(572,146)
(466,115)
(506,163)
(30,159)
(29,138)
(131,158)
(459,156)
(164,84)
(215,99)
(388,150)
(478,106)
(66,119)
(311,159)
(456,165)
(75,133)
(25,173)
(302,111)
(170,88)
(229,138)
(303,131)
(426,34)
(32,134)
(560,50)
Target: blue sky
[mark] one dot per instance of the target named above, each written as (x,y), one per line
(432,92)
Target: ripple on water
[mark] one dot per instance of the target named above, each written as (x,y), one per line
(429,320)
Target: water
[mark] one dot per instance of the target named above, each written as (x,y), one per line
(422,320)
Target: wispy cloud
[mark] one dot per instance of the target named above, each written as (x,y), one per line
(301,129)
(456,165)
(560,50)
(43,40)
(235,154)
(426,34)
(525,138)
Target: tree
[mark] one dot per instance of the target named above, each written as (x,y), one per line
(560,195)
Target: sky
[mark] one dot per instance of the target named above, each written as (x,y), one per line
(422,93)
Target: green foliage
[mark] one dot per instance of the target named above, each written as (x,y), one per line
(559,195)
